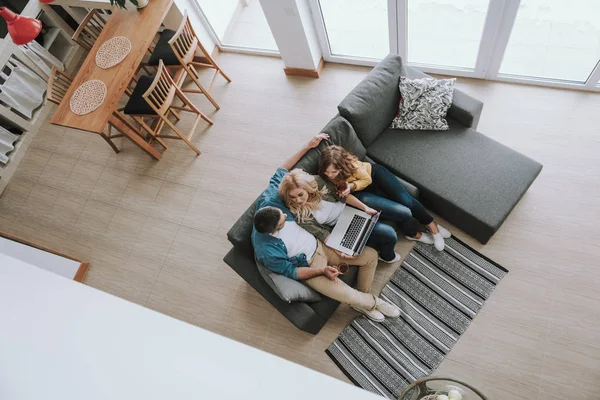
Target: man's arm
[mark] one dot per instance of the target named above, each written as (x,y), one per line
(307,273)
(304,273)
(314,142)
(287,268)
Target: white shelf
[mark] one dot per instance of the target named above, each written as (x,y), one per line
(62,47)
(50,37)
(13,153)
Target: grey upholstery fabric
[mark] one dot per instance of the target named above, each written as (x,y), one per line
(464,109)
(469,179)
(412,189)
(288,289)
(301,314)
(308,317)
(240,233)
(342,133)
(372,105)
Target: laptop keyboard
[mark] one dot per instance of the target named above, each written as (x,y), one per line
(353,231)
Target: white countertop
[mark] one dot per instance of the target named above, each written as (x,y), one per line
(63,340)
(39,258)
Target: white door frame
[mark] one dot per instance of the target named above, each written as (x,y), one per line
(492,42)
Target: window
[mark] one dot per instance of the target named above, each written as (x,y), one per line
(239,23)
(445,32)
(356,28)
(554,39)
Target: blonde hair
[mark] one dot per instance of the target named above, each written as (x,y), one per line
(340,159)
(299,179)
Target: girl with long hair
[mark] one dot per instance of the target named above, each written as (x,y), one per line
(377,187)
(317,207)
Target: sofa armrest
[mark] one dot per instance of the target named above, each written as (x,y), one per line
(412,189)
(465,109)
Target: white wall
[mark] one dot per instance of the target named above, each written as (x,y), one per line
(291,24)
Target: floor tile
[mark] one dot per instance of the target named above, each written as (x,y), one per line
(155,239)
(206,211)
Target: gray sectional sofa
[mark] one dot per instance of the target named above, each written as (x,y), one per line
(467,178)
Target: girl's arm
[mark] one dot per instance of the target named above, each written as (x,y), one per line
(314,142)
(363,179)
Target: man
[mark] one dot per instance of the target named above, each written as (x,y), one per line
(285,248)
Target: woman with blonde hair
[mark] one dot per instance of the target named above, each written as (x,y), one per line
(317,207)
(377,187)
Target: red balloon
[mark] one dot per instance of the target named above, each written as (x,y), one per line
(46,1)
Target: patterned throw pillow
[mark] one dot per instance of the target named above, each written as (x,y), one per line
(424,104)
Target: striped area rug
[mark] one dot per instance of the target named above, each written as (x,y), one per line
(439,294)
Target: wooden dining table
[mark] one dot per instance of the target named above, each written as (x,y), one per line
(140,27)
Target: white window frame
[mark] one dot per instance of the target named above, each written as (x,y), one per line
(227,47)
(489,45)
(498,26)
(319,22)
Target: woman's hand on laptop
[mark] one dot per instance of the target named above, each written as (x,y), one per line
(331,272)
(370,210)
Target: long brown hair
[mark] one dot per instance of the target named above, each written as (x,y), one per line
(340,159)
(299,179)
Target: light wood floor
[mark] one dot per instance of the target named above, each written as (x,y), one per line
(155,232)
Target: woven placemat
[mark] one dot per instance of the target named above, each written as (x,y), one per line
(88,97)
(112,52)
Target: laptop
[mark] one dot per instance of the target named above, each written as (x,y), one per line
(353,229)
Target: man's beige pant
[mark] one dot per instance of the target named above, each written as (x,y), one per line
(337,289)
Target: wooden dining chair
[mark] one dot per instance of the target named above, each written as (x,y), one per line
(153,99)
(179,50)
(58,84)
(90,28)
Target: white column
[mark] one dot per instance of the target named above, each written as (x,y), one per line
(294,32)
